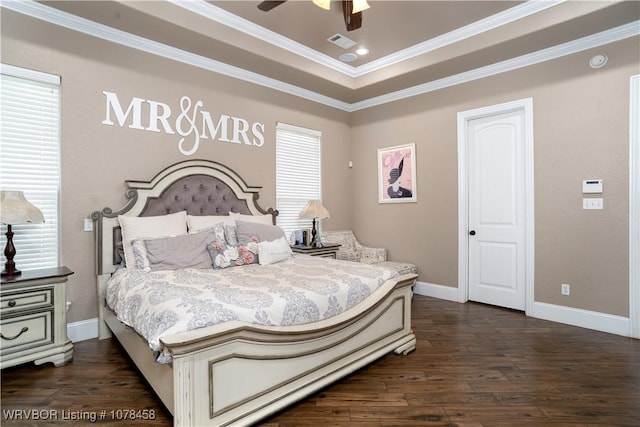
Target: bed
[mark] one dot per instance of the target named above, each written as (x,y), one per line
(238,372)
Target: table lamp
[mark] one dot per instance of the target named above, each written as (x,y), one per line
(313,210)
(15,209)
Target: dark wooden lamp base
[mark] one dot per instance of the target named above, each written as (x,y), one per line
(10,252)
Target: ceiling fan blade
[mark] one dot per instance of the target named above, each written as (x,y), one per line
(352,21)
(266,6)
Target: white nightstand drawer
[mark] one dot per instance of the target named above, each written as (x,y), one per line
(24,332)
(26,300)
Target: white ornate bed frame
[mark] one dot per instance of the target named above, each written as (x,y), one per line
(235,373)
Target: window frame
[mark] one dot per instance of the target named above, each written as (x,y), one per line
(298,142)
(37,245)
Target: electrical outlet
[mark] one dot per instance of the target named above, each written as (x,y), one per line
(565,289)
(88,224)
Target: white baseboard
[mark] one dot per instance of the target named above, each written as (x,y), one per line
(83,330)
(436,291)
(584,318)
(556,313)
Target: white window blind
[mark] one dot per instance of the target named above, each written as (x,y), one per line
(30,160)
(298,174)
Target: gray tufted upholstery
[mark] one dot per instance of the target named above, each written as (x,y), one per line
(198,195)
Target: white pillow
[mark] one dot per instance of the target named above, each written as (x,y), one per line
(262,219)
(198,223)
(134,227)
(274,251)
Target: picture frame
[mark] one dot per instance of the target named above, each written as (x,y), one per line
(397,174)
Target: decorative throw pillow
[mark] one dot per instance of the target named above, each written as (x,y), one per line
(185,251)
(248,231)
(134,227)
(262,219)
(275,251)
(198,223)
(192,250)
(224,255)
(140,254)
(231,234)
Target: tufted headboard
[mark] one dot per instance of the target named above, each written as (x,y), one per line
(198,195)
(199,187)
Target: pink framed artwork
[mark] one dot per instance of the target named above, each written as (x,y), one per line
(397,174)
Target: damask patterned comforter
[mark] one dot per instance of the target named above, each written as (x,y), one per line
(300,290)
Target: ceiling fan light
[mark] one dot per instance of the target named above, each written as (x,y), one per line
(325,4)
(359,5)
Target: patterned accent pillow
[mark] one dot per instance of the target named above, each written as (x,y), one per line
(231,235)
(224,255)
(140,253)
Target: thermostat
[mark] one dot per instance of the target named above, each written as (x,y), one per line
(592,186)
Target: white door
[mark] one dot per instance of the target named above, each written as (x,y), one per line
(496,209)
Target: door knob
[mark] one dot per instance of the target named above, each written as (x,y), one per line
(472,232)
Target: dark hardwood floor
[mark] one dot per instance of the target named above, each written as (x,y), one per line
(474,365)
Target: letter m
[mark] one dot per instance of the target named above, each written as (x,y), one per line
(135,109)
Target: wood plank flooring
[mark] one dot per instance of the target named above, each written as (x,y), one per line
(474,365)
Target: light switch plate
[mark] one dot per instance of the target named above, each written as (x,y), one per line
(593,203)
(88,224)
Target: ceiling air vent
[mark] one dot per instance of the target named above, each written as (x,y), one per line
(342,41)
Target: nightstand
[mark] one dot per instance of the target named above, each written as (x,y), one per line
(329,250)
(33,318)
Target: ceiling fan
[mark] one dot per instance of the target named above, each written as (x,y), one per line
(352,10)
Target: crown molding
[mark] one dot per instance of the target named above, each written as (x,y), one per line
(209,11)
(609,36)
(487,24)
(75,23)
(82,25)
(217,14)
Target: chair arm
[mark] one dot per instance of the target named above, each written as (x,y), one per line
(370,255)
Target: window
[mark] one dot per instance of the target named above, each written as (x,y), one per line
(30,160)
(298,174)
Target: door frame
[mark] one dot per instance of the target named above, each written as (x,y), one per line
(526,106)
(634,210)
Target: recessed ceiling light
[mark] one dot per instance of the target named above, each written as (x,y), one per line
(348,57)
(362,51)
(598,61)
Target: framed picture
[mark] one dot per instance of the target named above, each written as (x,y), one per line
(397,174)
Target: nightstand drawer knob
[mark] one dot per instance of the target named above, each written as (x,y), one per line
(22,331)
(12,303)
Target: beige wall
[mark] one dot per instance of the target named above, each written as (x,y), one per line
(97,159)
(580,132)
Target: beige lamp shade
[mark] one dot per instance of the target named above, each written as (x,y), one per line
(325,4)
(16,209)
(314,209)
(360,5)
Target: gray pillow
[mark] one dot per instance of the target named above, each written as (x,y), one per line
(184,251)
(250,231)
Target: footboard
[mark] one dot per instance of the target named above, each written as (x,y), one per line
(241,375)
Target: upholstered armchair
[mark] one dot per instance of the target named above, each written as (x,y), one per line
(352,250)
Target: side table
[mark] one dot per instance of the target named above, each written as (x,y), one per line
(329,250)
(33,318)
